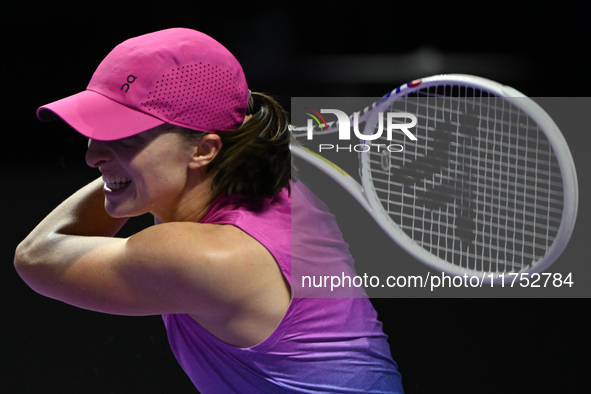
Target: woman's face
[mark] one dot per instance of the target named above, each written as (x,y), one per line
(143,173)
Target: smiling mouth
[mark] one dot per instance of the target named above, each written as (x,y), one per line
(114,182)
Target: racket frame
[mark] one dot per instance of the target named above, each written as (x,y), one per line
(365,194)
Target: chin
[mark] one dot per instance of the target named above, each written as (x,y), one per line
(120,212)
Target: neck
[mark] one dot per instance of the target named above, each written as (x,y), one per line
(192,203)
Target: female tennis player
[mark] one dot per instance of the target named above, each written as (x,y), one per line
(175,132)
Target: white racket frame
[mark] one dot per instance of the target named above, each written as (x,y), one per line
(365,194)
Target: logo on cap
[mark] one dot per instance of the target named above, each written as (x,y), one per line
(126,85)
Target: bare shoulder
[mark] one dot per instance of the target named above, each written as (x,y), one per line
(217,257)
(235,287)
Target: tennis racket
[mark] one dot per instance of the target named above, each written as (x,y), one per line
(489,187)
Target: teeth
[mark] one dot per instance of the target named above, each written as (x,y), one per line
(115,182)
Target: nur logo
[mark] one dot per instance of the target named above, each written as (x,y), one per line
(344,123)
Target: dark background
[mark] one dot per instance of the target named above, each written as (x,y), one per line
(51,49)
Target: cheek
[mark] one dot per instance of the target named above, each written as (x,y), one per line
(159,170)
(163,178)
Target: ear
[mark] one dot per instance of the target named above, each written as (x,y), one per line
(205,150)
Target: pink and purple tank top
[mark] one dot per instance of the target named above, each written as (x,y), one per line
(329,345)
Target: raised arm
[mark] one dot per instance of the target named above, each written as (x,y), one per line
(72,230)
(216,273)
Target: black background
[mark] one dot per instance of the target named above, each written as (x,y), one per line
(51,49)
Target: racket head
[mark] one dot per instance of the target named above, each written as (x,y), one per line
(479,193)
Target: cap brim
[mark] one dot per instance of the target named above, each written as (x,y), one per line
(98,117)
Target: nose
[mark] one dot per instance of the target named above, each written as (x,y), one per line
(97,153)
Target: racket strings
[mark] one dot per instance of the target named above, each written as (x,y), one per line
(481,187)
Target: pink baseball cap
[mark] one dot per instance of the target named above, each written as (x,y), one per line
(178,76)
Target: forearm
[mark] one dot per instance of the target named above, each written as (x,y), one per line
(82,214)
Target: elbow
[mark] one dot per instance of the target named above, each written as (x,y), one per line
(32,269)
(20,257)
(32,262)
(24,263)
